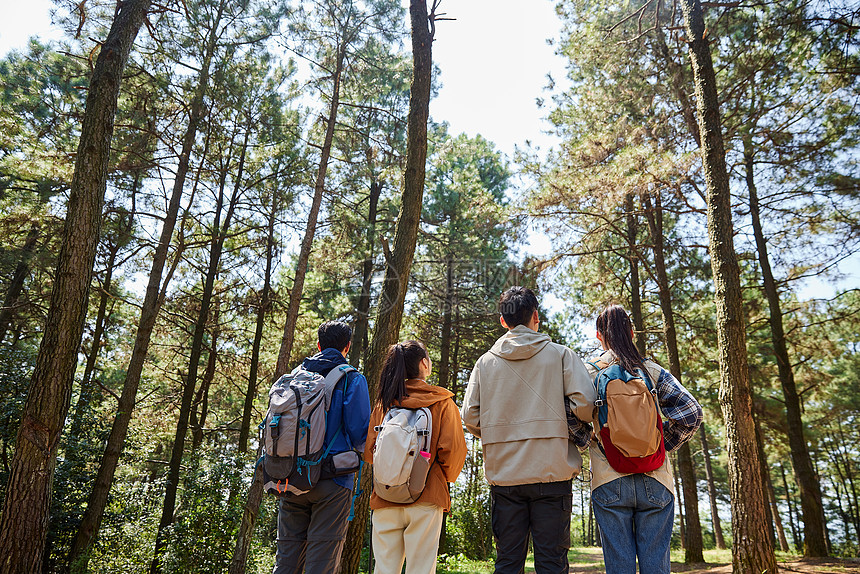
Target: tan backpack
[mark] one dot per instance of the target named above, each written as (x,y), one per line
(628,414)
(401,454)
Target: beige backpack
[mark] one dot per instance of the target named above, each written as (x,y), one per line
(401,455)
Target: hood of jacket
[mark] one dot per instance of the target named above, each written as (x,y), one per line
(324,361)
(422,394)
(520,343)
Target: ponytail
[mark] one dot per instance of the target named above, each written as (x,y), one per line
(401,363)
(615,327)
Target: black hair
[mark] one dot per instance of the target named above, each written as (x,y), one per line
(334,335)
(615,327)
(401,363)
(517,305)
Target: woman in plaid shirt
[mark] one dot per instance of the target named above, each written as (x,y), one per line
(636,512)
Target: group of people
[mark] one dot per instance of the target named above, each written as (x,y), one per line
(532,403)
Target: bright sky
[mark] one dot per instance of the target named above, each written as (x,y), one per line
(493,60)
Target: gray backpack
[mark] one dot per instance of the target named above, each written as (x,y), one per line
(294,430)
(401,454)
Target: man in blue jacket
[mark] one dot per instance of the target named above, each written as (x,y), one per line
(312,526)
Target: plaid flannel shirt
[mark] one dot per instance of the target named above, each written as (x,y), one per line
(682,415)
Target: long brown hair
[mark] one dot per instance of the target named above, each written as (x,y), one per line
(401,363)
(615,327)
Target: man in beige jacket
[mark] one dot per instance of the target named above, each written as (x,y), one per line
(515,403)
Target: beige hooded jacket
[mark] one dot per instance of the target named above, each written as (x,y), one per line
(515,404)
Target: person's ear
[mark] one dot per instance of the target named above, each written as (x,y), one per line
(502,321)
(346,350)
(319,348)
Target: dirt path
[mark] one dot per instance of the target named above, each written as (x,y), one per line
(590,561)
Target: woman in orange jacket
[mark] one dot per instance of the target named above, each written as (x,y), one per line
(411,531)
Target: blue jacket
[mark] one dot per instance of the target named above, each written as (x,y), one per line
(350,404)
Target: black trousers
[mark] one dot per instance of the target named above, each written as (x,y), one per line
(541,510)
(312,529)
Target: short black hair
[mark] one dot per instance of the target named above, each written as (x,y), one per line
(334,335)
(517,305)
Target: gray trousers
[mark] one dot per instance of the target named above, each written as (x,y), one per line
(312,529)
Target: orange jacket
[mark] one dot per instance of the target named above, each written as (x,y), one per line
(447,442)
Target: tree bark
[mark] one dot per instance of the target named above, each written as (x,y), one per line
(391,301)
(249,517)
(635,288)
(680,499)
(763,470)
(86,391)
(201,399)
(310,229)
(814,543)
(219,235)
(712,492)
(362,320)
(777,519)
(24,518)
(752,551)
(795,535)
(263,307)
(694,546)
(447,321)
(89,527)
(13,292)
(246,526)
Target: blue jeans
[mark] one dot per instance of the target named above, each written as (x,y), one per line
(635,514)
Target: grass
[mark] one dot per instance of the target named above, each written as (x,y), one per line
(458,564)
(582,559)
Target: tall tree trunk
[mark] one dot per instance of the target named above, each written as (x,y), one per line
(694,546)
(13,292)
(680,499)
(712,492)
(635,288)
(362,319)
(263,308)
(447,320)
(86,391)
(255,494)
(391,301)
(849,474)
(201,399)
(679,86)
(445,371)
(810,490)
(752,551)
(763,470)
(89,527)
(219,235)
(795,535)
(777,518)
(24,517)
(310,229)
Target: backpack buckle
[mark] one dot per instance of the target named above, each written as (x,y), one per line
(275,420)
(423,433)
(598,403)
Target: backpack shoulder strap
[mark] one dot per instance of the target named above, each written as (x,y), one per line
(333,378)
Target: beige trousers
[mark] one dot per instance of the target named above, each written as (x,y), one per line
(406,532)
